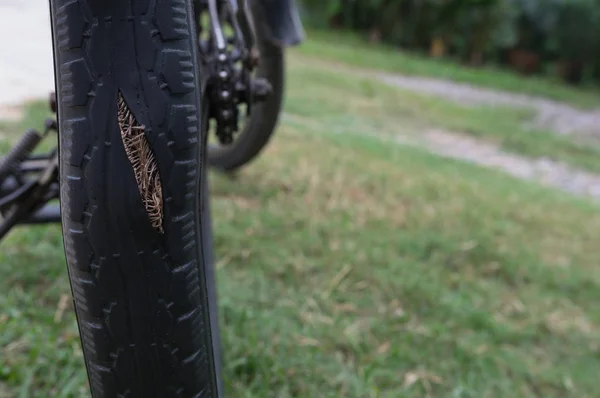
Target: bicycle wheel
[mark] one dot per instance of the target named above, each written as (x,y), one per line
(131,165)
(257,129)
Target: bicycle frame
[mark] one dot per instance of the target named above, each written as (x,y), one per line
(26,200)
(282,20)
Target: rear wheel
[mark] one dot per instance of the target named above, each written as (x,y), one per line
(131,167)
(258,127)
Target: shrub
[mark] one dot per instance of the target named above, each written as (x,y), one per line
(474,30)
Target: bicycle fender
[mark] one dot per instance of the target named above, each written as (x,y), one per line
(282,21)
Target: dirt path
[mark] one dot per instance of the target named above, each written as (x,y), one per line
(458,146)
(544,171)
(552,115)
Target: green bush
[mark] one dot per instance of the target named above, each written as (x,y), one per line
(577,32)
(415,23)
(474,30)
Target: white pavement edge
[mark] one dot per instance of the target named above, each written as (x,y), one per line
(26,62)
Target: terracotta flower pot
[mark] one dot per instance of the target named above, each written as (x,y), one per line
(570,71)
(438,48)
(476,59)
(524,61)
(375,36)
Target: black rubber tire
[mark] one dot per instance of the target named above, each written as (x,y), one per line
(260,127)
(211,281)
(142,296)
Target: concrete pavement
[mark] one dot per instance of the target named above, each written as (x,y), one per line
(26,65)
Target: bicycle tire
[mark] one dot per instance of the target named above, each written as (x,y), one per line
(261,126)
(132,161)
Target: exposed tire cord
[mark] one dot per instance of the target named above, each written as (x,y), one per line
(143,161)
(140,295)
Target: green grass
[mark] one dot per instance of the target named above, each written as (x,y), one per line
(354,50)
(34,116)
(349,267)
(341,97)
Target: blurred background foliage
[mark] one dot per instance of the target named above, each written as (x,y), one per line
(558,37)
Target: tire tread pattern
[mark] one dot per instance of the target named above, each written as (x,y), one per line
(140,296)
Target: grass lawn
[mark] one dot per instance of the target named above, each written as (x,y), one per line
(349,267)
(338,96)
(354,50)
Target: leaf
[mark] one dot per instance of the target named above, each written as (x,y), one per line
(384,348)
(410,378)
